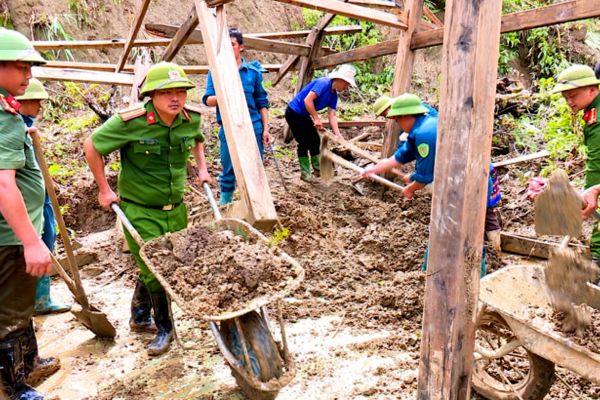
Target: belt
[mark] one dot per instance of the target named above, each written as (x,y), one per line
(166,207)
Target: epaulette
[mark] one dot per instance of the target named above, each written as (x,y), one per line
(132,112)
(6,106)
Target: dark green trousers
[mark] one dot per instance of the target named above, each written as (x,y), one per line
(17,292)
(150,224)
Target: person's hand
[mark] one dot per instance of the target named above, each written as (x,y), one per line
(318,124)
(204,176)
(37,259)
(368,172)
(267,139)
(535,187)
(33,131)
(406,178)
(408,192)
(106,198)
(590,199)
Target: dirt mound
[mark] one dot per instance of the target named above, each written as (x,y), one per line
(217,271)
(362,256)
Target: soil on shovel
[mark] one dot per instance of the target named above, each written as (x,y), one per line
(217,271)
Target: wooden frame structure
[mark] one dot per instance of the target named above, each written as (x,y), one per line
(470,36)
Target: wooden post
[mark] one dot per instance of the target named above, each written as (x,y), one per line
(405,58)
(139,18)
(181,36)
(247,165)
(469,63)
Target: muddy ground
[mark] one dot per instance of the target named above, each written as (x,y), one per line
(353,326)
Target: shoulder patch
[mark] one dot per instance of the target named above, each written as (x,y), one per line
(591,116)
(133,112)
(6,106)
(423,150)
(193,109)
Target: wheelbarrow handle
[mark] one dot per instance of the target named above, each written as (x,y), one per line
(132,231)
(211,201)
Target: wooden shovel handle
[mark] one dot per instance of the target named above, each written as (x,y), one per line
(347,164)
(62,228)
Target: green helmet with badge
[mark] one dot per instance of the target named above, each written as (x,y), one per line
(382,104)
(576,76)
(407,104)
(35,91)
(165,75)
(14,46)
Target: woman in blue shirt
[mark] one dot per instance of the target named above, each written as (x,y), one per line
(303,118)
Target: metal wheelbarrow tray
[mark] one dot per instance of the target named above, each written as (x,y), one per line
(260,365)
(507,299)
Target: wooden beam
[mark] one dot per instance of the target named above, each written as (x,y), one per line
(405,58)
(469,72)
(44,45)
(523,158)
(432,17)
(74,75)
(181,36)
(250,42)
(378,4)
(133,34)
(142,65)
(285,68)
(533,247)
(189,69)
(243,149)
(352,11)
(544,16)
(356,124)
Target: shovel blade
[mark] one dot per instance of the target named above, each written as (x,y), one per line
(326,165)
(97,322)
(558,208)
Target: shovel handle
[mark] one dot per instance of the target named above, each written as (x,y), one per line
(132,231)
(211,201)
(347,164)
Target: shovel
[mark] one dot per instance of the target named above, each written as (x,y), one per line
(276,166)
(90,316)
(558,208)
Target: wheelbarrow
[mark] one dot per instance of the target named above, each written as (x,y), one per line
(260,365)
(516,347)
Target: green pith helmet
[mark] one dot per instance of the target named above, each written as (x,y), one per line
(574,77)
(165,75)
(406,104)
(35,91)
(382,104)
(14,46)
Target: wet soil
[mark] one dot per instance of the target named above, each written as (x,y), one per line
(217,271)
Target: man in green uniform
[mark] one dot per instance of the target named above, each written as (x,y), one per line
(579,86)
(23,254)
(155,140)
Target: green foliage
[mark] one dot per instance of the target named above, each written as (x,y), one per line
(51,28)
(284,152)
(5,20)
(72,98)
(79,123)
(278,236)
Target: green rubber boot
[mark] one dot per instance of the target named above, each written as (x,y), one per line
(226,198)
(305,169)
(43,301)
(315,161)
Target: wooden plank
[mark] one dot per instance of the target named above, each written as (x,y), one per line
(403,70)
(523,158)
(352,11)
(189,69)
(133,34)
(75,75)
(469,72)
(44,45)
(247,164)
(550,15)
(432,17)
(181,36)
(533,247)
(388,6)
(250,42)
(285,68)
(356,124)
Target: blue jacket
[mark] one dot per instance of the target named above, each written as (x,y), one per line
(252,82)
(420,146)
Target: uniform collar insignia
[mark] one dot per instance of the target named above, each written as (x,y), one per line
(6,104)
(151,118)
(13,102)
(591,116)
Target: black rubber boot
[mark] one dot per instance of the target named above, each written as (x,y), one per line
(37,369)
(13,371)
(141,306)
(164,325)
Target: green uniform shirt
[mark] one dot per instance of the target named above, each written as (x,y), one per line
(153,155)
(591,133)
(16,153)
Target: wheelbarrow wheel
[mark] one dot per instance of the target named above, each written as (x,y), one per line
(265,359)
(518,375)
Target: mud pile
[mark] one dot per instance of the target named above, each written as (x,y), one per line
(216,271)
(362,256)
